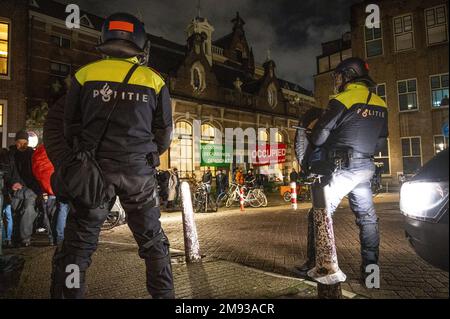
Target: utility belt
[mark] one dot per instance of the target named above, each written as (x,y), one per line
(341,158)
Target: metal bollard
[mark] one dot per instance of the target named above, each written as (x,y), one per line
(241,198)
(191,244)
(326,271)
(294,195)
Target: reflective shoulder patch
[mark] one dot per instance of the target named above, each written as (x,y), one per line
(357,96)
(115,71)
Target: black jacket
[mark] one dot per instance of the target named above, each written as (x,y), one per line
(142,122)
(22,165)
(352,123)
(8,172)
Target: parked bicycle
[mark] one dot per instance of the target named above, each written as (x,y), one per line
(253,196)
(204,201)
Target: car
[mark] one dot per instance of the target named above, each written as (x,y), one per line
(424,204)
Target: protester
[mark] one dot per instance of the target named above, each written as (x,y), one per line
(55,209)
(25,191)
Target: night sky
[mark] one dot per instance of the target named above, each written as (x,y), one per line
(293,30)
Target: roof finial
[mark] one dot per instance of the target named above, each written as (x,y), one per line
(198,8)
(268,55)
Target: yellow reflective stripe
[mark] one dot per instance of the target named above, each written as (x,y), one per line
(113,70)
(358,95)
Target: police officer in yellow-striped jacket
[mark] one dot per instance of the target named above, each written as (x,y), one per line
(352,129)
(138,132)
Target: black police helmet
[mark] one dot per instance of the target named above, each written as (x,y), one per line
(123,36)
(355,70)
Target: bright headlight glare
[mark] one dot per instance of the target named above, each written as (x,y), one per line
(423,200)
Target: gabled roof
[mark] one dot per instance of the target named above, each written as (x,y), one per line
(294,87)
(224,42)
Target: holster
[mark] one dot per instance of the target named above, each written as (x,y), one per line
(153,159)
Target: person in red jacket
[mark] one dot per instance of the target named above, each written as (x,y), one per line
(55,208)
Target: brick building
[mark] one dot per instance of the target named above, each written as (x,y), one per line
(408,58)
(213,80)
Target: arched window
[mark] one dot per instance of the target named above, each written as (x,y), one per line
(272,97)
(181,150)
(263,137)
(196,80)
(279,167)
(208,135)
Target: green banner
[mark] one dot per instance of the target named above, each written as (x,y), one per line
(215,155)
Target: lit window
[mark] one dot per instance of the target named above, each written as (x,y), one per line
(407,95)
(440,143)
(436,25)
(412,154)
(403,33)
(374,41)
(383,157)
(439,90)
(4,48)
(181,149)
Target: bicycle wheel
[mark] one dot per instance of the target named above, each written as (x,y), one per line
(264,199)
(212,203)
(112,220)
(221,199)
(230,201)
(253,200)
(287,196)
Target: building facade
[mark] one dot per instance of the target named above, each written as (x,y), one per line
(215,81)
(408,58)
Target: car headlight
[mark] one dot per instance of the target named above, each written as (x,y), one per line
(424,200)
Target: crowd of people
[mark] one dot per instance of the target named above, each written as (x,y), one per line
(29,203)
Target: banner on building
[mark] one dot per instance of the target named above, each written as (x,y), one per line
(215,155)
(269,154)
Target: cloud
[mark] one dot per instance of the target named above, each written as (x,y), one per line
(293,30)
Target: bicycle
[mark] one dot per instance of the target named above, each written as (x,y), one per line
(204,201)
(116,216)
(253,196)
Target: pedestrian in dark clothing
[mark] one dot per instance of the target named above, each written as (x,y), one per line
(221,183)
(26,191)
(9,180)
(293,176)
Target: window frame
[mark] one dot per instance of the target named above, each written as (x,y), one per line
(60,63)
(365,42)
(410,149)
(427,27)
(445,141)
(385,91)
(431,91)
(403,32)
(417,96)
(388,157)
(9,58)
(187,137)
(61,37)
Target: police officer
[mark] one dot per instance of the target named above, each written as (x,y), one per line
(349,133)
(138,132)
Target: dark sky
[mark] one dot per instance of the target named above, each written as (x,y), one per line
(292,29)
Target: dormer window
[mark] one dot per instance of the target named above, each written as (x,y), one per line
(272,97)
(198,82)
(84,21)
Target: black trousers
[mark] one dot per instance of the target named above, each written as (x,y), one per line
(23,205)
(138,195)
(353,181)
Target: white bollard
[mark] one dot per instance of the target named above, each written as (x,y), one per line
(294,195)
(191,244)
(241,198)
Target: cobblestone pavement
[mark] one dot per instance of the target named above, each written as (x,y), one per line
(273,239)
(117,272)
